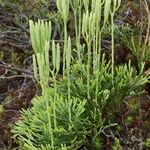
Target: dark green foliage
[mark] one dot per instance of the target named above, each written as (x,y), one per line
(111,93)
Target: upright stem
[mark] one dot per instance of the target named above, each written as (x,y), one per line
(94,58)
(77,36)
(50,130)
(54,103)
(69,97)
(97,63)
(79,28)
(65,45)
(88,69)
(112,45)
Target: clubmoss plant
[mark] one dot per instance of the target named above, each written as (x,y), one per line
(116,5)
(72,113)
(76,6)
(33,131)
(87,31)
(63,8)
(40,32)
(54,72)
(125,81)
(68,63)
